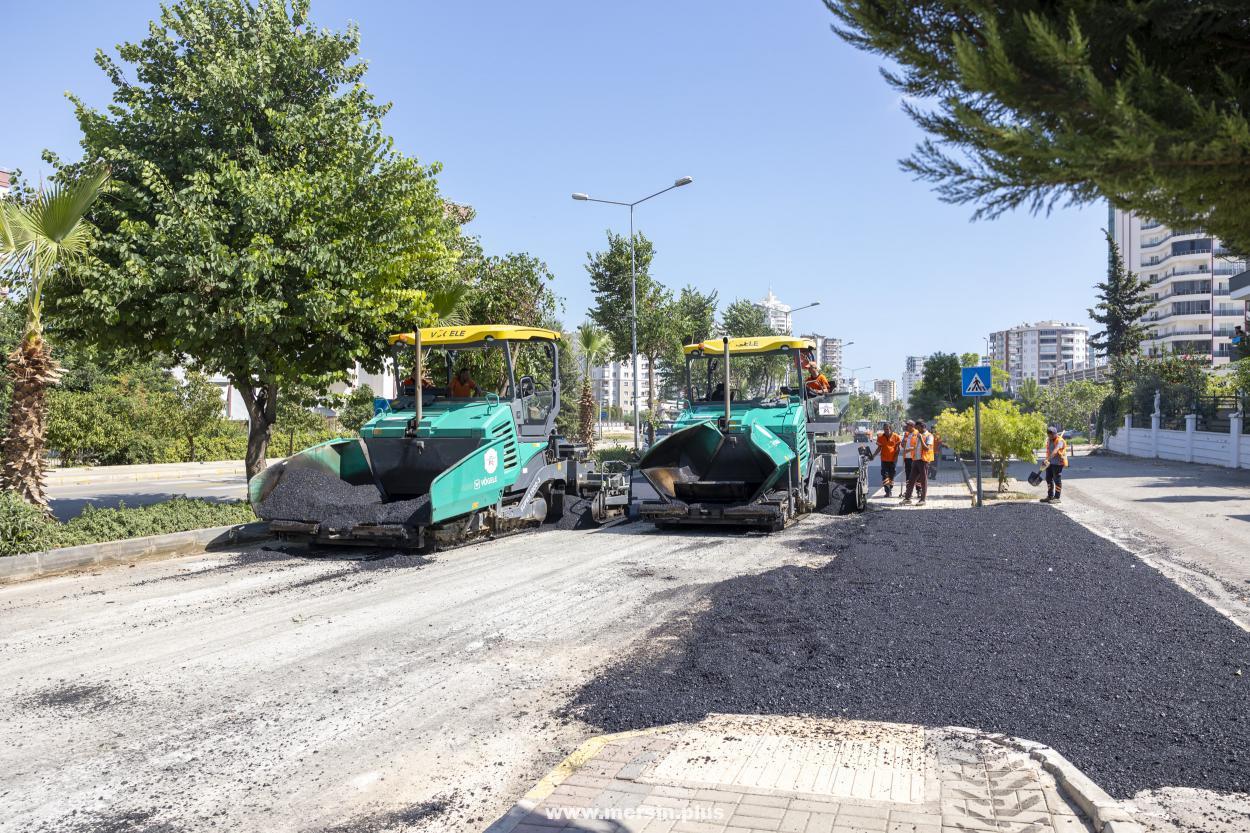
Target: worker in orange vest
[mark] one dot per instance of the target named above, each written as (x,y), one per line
(887,446)
(909,430)
(921,456)
(816,381)
(1056,462)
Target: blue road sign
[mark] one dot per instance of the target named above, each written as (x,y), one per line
(977,381)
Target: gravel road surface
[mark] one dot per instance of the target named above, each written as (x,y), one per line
(1013,619)
(263,691)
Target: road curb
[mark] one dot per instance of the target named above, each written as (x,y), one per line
(1106,814)
(88,476)
(550,782)
(50,562)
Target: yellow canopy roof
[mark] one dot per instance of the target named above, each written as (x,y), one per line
(755,344)
(435,336)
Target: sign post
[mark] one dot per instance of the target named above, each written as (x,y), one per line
(977,383)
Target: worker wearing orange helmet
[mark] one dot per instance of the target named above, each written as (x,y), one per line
(816,381)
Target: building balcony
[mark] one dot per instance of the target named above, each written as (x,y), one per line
(1239,286)
(1171,235)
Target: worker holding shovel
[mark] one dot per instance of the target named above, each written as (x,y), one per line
(1056,461)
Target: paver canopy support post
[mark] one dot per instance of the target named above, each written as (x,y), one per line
(976,416)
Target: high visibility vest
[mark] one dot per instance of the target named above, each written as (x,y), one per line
(1058,447)
(888,447)
(911,445)
(926,447)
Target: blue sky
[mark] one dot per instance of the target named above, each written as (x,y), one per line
(792,138)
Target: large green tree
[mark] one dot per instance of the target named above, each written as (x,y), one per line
(610,281)
(262,223)
(1123,298)
(940,387)
(1145,104)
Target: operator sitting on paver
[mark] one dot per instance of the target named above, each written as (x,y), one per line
(887,446)
(463,386)
(1056,462)
(817,382)
(922,456)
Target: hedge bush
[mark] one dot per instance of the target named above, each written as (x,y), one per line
(25,529)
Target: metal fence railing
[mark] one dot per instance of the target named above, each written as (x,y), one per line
(1214,413)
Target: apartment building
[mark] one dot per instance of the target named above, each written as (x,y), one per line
(1039,351)
(613,384)
(913,372)
(828,352)
(776,314)
(886,390)
(1188,272)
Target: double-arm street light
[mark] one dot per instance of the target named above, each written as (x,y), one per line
(633,282)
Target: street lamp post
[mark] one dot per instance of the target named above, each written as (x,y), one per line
(633,282)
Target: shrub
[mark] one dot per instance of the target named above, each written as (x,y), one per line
(24,529)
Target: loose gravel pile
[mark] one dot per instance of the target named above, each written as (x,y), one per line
(306,494)
(1012,619)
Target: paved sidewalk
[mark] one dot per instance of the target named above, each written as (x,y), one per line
(738,773)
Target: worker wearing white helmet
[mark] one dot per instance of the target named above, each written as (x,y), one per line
(1056,462)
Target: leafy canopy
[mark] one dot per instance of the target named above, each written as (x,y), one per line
(1144,104)
(261,221)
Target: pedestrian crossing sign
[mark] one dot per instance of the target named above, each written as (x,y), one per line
(976,381)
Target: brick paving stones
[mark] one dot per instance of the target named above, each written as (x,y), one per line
(735,774)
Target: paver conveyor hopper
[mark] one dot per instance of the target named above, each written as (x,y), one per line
(456,456)
(743,461)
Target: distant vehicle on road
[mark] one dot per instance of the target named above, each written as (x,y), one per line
(863,431)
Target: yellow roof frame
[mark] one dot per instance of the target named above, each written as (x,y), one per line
(749,346)
(474,334)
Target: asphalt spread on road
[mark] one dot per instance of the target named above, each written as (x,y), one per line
(1013,619)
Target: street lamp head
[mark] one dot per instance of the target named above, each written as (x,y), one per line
(814,304)
(580,196)
(685,180)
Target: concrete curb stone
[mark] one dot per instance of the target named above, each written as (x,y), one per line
(37,564)
(1107,814)
(85,476)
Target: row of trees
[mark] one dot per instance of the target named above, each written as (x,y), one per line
(254,221)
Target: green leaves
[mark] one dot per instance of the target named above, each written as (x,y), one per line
(1146,105)
(262,223)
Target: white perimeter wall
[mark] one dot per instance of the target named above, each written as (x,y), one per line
(1216,449)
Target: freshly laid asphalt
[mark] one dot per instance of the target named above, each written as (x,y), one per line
(1012,619)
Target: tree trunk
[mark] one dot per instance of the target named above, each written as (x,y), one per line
(652,361)
(32,370)
(262,411)
(586,417)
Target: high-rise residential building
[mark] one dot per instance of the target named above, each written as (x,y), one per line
(613,384)
(1188,273)
(828,352)
(776,314)
(1038,351)
(913,372)
(886,390)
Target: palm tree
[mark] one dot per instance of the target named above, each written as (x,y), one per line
(38,237)
(593,343)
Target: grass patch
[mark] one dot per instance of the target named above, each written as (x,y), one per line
(25,529)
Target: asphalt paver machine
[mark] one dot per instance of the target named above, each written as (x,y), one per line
(441,465)
(740,458)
